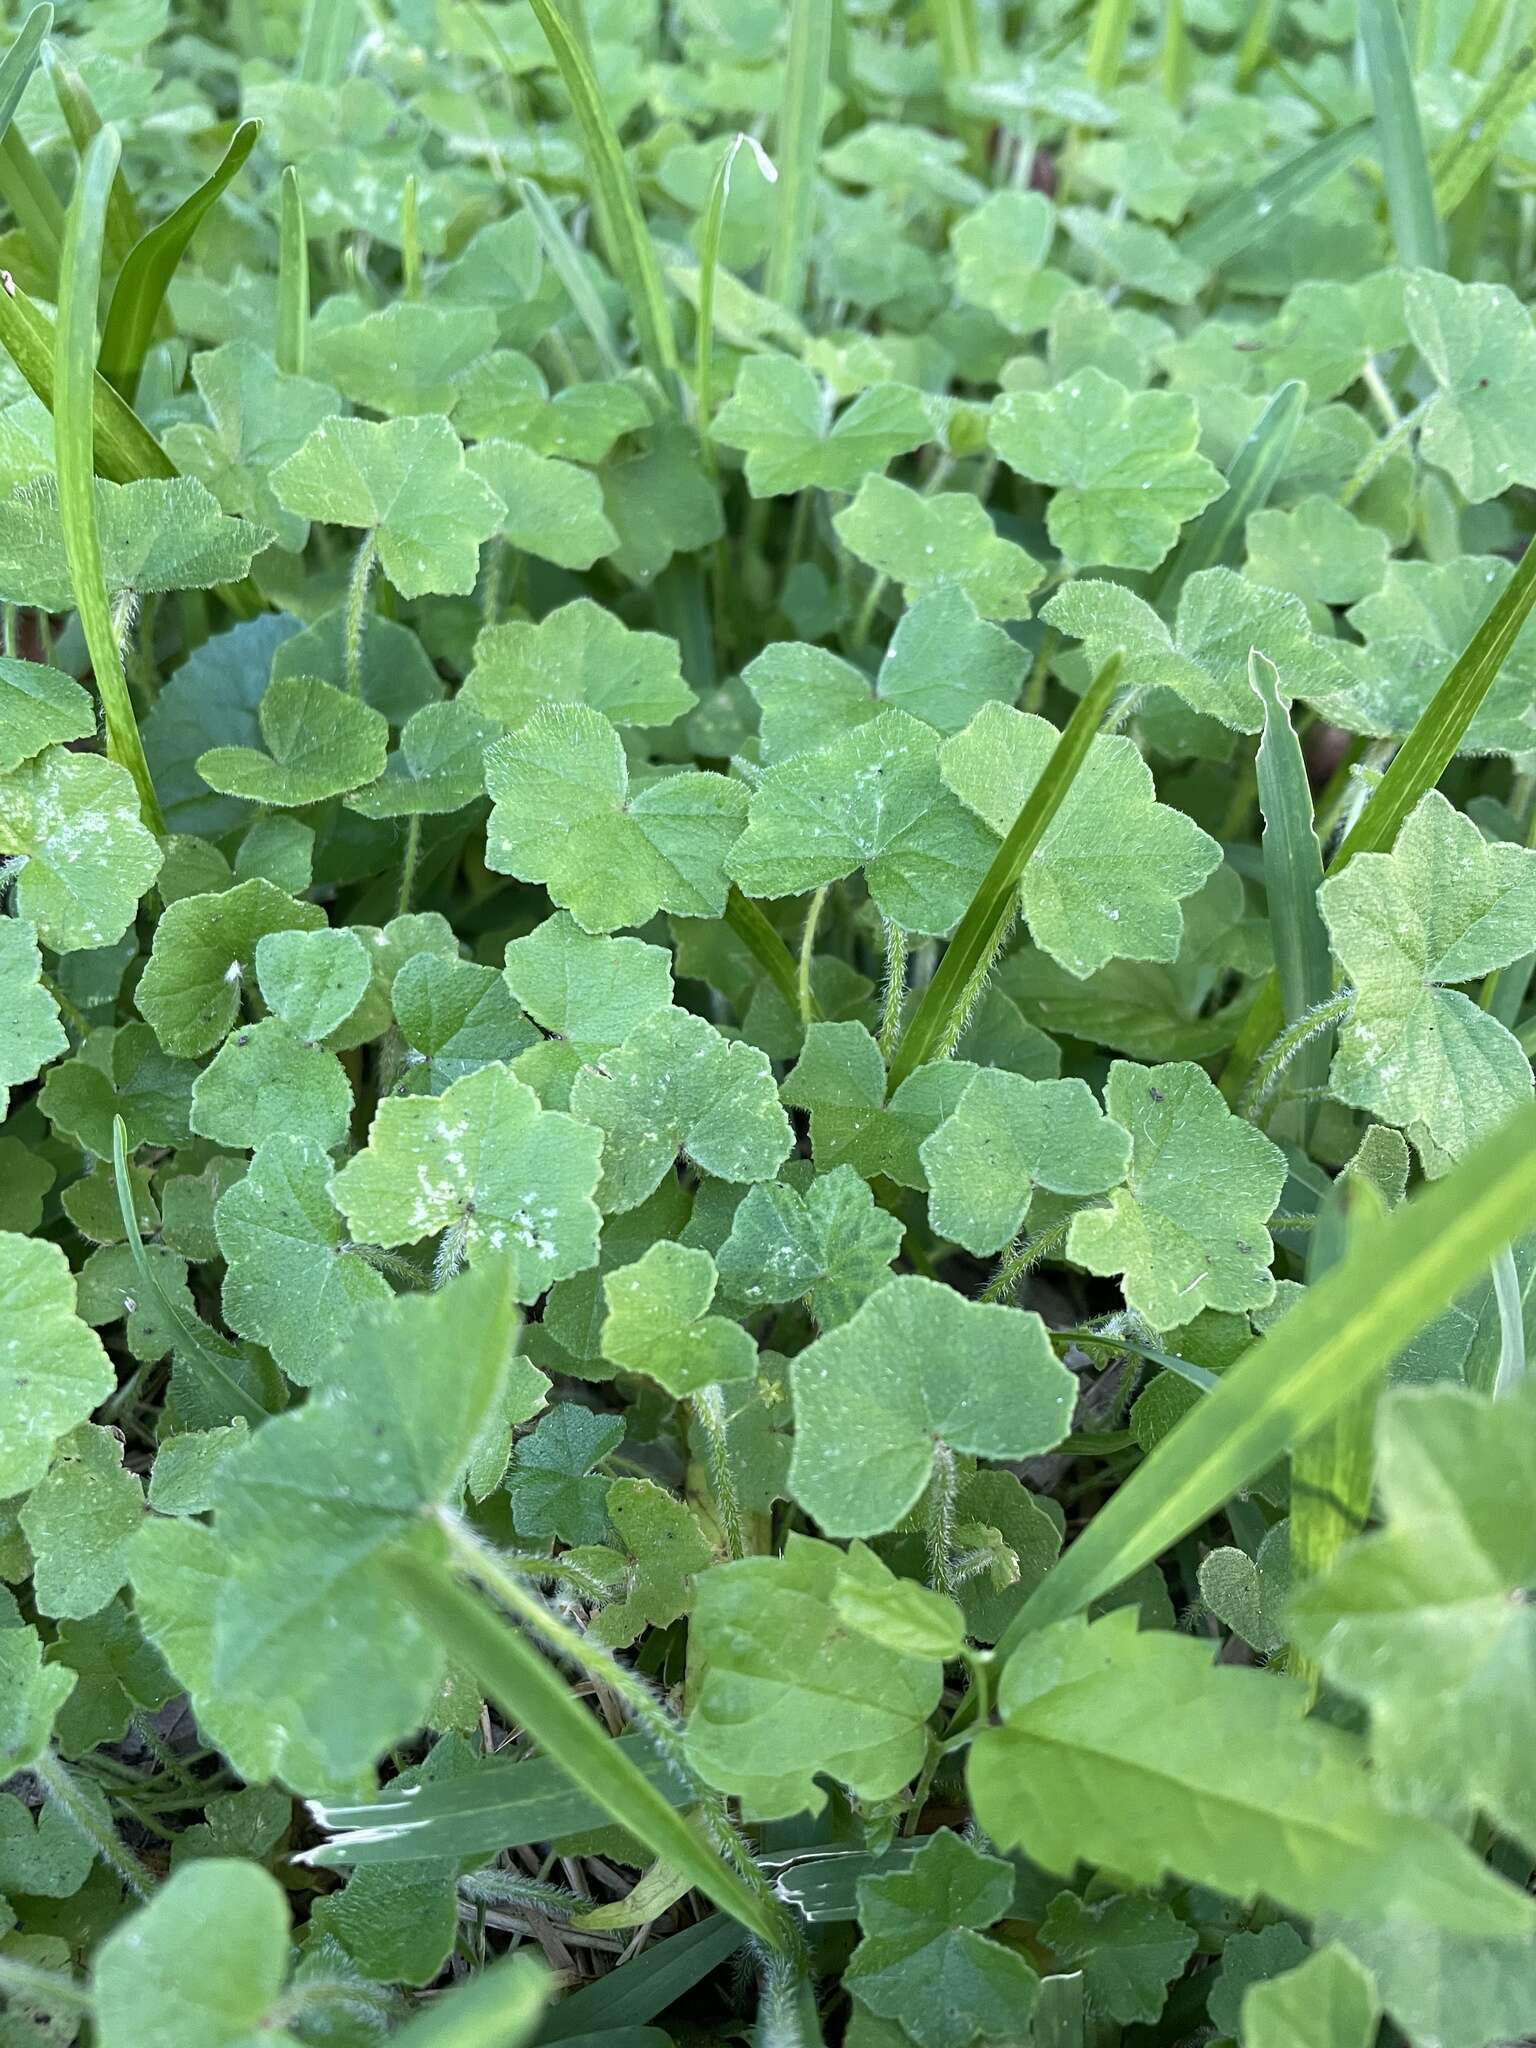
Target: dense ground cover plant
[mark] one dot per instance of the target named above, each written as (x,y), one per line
(768,808)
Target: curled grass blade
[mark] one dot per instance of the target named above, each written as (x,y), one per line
(83,122)
(946,1002)
(74,374)
(145,278)
(797,148)
(1393,1279)
(1399,135)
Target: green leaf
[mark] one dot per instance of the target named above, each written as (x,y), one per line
(1478,344)
(1000,251)
(1128,1947)
(87,859)
(31,1694)
(204,950)
(840,1078)
(940,543)
(1186,1232)
(1124,464)
(1218,1776)
(1090,893)
(922,1961)
(438,767)
(407,358)
(667,1550)
(1319,551)
(1134,254)
(1222,619)
(79,1521)
(790,1688)
(53,1370)
(1007,1136)
(483,1161)
(1328,329)
(161,534)
(320,742)
(780,416)
(676,1085)
(917,1363)
(201,1966)
(38,707)
(257,417)
(943,663)
(554,510)
(455,1019)
(404,480)
(1328,2002)
(658,1323)
(551,1485)
(30,1032)
(872,799)
(312,980)
(588,992)
(309,1511)
(265,1080)
(292,1279)
(579,654)
(1249,1594)
(831,1245)
(1443,907)
(564,814)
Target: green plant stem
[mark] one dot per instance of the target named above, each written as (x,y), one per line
(408,863)
(292,278)
(806,1003)
(749,924)
(1019,1260)
(709,1407)
(357,610)
(1308,1027)
(54,1777)
(895,987)
(798,148)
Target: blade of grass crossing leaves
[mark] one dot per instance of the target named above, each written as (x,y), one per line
(291,345)
(139,294)
(614,197)
(75,369)
(1215,536)
(797,149)
(767,948)
(1107,38)
(499,2008)
(1260,208)
(123,226)
(20,61)
(1506,1292)
(1479,33)
(1417,766)
(947,1000)
(1481,131)
(528,1688)
(1399,136)
(326,40)
(709,264)
(565,260)
(1392,1280)
(638,1991)
(1254,46)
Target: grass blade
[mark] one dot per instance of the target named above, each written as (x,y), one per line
(710,228)
(20,61)
(124,448)
(798,146)
(292,341)
(638,1991)
(1259,208)
(1107,37)
(532,1693)
(326,40)
(1416,767)
(1399,136)
(23,186)
(73,429)
(83,122)
(946,1001)
(1481,131)
(499,2008)
(750,925)
(1293,874)
(565,260)
(140,291)
(1479,33)
(625,235)
(1394,1278)
(1215,536)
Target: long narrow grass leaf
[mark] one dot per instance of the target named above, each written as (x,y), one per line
(1399,135)
(565,259)
(1511,1310)
(1107,37)
(1258,209)
(292,337)
(1216,536)
(20,61)
(940,1013)
(145,278)
(1481,131)
(1393,1279)
(1479,32)
(124,448)
(798,148)
(327,39)
(81,118)
(638,1991)
(750,925)
(74,374)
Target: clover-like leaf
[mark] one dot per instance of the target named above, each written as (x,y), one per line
(1222,618)
(554,510)
(1124,463)
(73,820)
(781,416)
(204,950)
(53,1370)
(667,1549)
(579,654)
(938,543)
(406,481)
(1319,550)
(30,1032)
(1000,251)
(512,1181)
(31,1694)
(1442,907)
(1329,2001)
(39,707)
(659,1323)
(590,992)
(313,980)
(1108,877)
(917,1364)
(922,1961)
(266,1080)
(676,1085)
(873,799)
(564,814)
(1134,254)
(131,1078)
(1478,344)
(1128,1946)
(406,358)
(551,1484)
(158,534)
(79,1521)
(455,1018)
(1007,1136)
(832,1245)
(840,1079)
(1186,1232)
(1328,329)
(319,742)
(292,1279)
(258,415)
(439,765)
